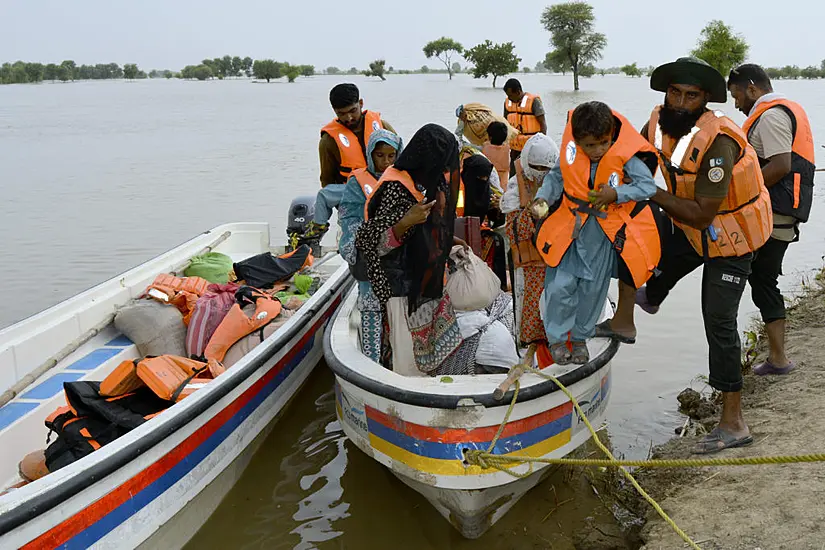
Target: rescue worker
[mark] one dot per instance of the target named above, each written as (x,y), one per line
(779,131)
(341,151)
(721,213)
(599,228)
(525,113)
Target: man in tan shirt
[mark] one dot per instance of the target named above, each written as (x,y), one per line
(771,133)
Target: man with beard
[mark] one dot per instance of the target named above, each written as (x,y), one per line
(779,131)
(341,150)
(721,215)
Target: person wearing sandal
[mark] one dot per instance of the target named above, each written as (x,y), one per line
(721,215)
(598,224)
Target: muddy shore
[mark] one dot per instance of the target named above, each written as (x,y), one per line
(755,507)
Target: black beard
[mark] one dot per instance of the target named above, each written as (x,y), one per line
(678,122)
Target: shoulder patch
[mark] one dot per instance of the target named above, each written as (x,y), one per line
(718,161)
(716,174)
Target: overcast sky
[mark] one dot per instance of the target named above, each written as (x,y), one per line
(173,33)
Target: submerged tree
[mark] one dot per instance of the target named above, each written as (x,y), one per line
(267,69)
(376,69)
(721,47)
(130,71)
(493,59)
(573,37)
(631,70)
(444,49)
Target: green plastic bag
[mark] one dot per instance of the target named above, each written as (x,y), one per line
(212,266)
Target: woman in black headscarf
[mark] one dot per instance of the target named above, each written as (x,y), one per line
(405,243)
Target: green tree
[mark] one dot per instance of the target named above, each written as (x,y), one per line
(50,72)
(333,70)
(292,72)
(307,70)
(425,69)
(444,49)
(71,66)
(237,66)
(456,67)
(525,69)
(810,73)
(130,71)
(352,70)
(63,73)
(539,68)
(631,70)
(720,47)
(142,75)
(247,67)
(587,70)
(791,72)
(493,59)
(34,72)
(557,62)
(376,69)
(573,37)
(267,69)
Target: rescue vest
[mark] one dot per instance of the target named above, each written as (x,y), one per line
(392,174)
(236,325)
(181,292)
(744,221)
(630,226)
(352,153)
(368,185)
(520,116)
(524,251)
(793,194)
(89,420)
(499,155)
(170,377)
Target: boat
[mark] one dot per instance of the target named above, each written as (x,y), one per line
(422,428)
(155,486)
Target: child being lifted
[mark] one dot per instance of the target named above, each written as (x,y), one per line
(603,227)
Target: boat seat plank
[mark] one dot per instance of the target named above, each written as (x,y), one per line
(12,412)
(52,386)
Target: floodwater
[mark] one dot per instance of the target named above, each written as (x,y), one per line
(97,177)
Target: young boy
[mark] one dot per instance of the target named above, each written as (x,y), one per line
(598,231)
(497,151)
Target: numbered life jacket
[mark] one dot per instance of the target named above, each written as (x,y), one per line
(744,221)
(401,176)
(90,420)
(520,116)
(630,226)
(793,194)
(499,155)
(352,153)
(523,250)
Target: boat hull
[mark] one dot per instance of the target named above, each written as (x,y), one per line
(424,447)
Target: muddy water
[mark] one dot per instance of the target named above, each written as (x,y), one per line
(100,176)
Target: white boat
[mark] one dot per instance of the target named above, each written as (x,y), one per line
(155,486)
(420,428)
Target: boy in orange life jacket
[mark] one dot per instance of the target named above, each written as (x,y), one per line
(498,152)
(598,178)
(341,150)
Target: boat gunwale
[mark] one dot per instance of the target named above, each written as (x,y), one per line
(447,401)
(38,504)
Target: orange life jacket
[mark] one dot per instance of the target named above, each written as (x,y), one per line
(401,176)
(170,377)
(524,252)
(237,325)
(499,155)
(181,292)
(352,153)
(368,185)
(520,116)
(793,194)
(744,221)
(630,226)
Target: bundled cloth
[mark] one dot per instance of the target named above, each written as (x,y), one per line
(477,117)
(471,285)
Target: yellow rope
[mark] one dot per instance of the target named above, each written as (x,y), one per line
(475,457)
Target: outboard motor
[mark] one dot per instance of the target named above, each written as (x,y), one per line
(301,212)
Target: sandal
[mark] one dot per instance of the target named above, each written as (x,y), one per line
(718,440)
(561,355)
(580,353)
(604,330)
